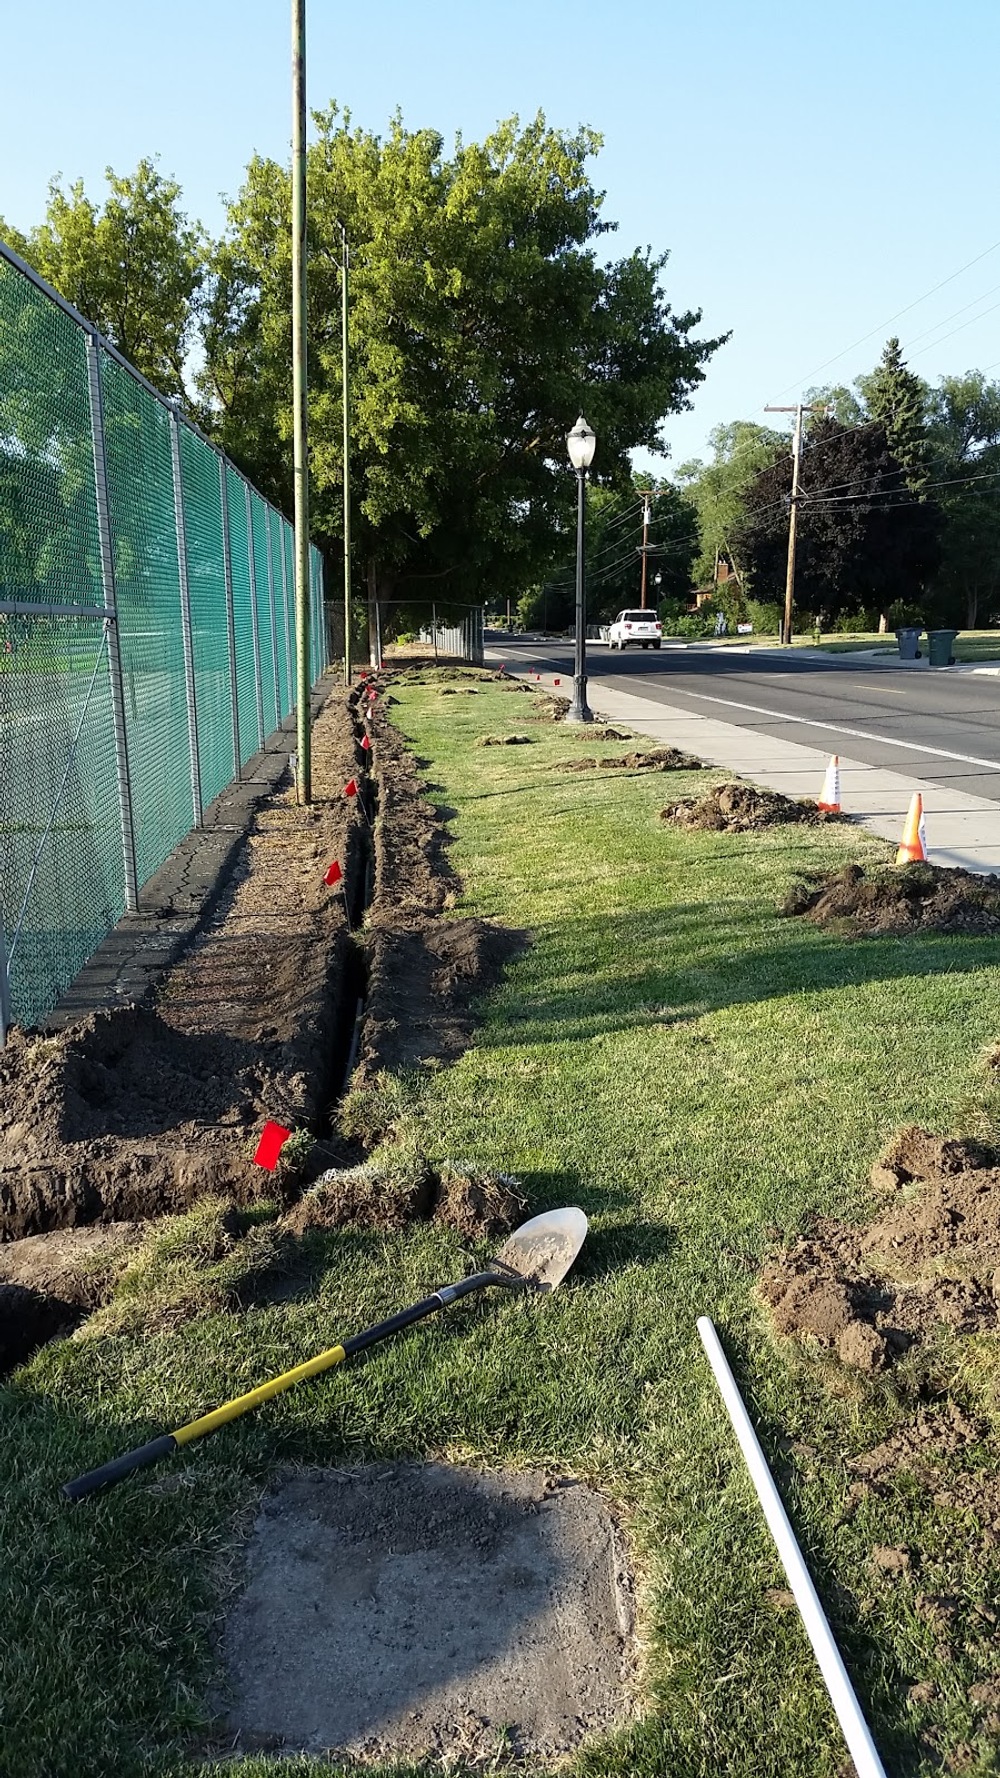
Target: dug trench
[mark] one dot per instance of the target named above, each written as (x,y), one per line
(290,992)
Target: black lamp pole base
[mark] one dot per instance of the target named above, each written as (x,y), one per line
(579,709)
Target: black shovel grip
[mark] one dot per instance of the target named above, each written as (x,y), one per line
(119,1467)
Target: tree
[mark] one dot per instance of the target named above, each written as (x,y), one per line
(719,491)
(133,268)
(482,323)
(864,542)
(898,401)
(964,432)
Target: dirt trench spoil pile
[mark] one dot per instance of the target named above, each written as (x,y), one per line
(660,759)
(377,1194)
(894,903)
(742,808)
(137,1111)
(424,971)
(930,1259)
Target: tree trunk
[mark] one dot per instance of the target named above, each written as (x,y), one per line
(373,630)
(971,607)
(883,623)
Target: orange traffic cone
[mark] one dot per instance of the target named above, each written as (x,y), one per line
(829,800)
(913,847)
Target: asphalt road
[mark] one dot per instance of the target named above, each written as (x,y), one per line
(939,725)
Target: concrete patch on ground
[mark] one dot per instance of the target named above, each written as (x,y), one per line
(424,1608)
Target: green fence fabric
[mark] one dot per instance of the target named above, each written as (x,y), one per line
(265,613)
(147,586)
(243,616)
(202,495)
(110,505)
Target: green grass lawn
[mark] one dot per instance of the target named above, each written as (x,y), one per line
(701,1076)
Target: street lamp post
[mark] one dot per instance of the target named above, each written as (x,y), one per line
(580,444)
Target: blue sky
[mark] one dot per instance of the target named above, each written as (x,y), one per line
(812,169)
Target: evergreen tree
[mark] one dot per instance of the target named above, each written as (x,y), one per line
(897,400)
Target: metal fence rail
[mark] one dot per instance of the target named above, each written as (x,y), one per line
(146,635)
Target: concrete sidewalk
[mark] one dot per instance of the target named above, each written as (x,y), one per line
(962,831)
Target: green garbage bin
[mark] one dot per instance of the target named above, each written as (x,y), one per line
(939,647)
(908,639)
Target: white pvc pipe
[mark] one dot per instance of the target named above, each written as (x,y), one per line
(856,1732)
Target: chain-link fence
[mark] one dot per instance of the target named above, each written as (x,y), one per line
(147,637)
(401,628)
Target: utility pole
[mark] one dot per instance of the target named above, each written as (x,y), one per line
(300,391)
(346,404)
(793,513)
(645,546)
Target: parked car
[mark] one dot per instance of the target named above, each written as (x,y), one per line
(641,627)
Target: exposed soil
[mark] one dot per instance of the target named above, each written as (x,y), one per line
(430,1609)
(49,1283)
(661,759)
(894,903)
(505,741)
(930,1259)
(551,708)
(424,972)
(136,1112)
(741,808)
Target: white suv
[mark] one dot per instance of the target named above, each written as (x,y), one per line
(635,626)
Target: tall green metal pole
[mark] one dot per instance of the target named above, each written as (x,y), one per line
(299,399)
(346,404)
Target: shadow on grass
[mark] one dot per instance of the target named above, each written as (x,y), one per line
(677,964)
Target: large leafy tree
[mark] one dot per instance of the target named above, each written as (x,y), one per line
(864,541)
(134,266)
(719,491)
(964,432)
(483,320)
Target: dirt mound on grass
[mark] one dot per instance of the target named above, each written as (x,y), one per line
(931,1258)
(742,808)
(550,708)
(893,903)
(48,1283)
(505,741)
(388,1195)
(662,759)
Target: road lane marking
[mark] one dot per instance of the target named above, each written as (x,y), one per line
(836,728)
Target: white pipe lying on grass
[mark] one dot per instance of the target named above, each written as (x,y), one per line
(856,1732)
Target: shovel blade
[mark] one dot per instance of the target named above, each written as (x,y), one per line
(542,1250)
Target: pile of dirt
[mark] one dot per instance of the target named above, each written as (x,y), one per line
(931,1258)
(423,971)
(893,903)
(742,808)
(661,759)
(505,741)
(49,1283)
(379,1194)
(550,708)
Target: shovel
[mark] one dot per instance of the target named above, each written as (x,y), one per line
(537,1256)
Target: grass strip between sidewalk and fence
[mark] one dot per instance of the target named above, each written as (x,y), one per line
(701,1076)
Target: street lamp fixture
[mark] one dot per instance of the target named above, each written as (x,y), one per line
(581,445)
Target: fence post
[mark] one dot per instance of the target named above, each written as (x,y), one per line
(186,637)
(96,395)
(274,619)
(255,621)
(4,987)
(227,569)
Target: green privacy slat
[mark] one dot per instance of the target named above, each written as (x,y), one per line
(265,626)
(246,684)
(144,543)
(274,523)
(209,622)
(288,557)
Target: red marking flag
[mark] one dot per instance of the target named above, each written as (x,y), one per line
(365,744)
(334,875)
(557,681)
(272,1140)
(351,787)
